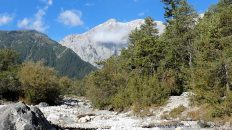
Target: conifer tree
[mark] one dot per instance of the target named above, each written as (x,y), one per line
(214,49)
(178,38)
(144,51)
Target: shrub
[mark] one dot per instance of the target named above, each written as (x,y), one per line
(65,84)
(9,85)
(103,85)
(39,83)
(78,88)
(146,91)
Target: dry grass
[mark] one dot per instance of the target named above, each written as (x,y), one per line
(204,113)
(175,113)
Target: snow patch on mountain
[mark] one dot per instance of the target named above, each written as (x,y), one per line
(104,40)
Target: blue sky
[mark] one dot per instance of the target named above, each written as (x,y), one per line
(58,18)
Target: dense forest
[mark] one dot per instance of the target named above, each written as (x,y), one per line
(193,54)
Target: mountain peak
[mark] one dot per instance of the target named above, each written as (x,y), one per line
(112,20)
(104,40)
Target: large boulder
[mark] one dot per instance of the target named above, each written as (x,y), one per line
(19,116)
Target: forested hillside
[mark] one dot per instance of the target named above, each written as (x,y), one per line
(35,46)
(193,54)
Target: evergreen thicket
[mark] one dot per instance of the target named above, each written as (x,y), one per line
(193,54)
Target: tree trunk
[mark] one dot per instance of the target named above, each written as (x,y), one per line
(191,64)
(227,79)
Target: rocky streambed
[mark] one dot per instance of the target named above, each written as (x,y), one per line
(76,113)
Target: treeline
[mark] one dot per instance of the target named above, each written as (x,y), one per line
(31,82)
(193,54)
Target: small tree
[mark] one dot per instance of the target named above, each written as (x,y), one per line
(144,51)
(9,84)
(39,83)
(8,59)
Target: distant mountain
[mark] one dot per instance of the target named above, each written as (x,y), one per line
(104,40)
(36,46)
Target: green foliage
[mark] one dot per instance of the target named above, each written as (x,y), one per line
(147,93)
(66,85)
(77,88)
(32,81)
(170,7)
(179,46)
(213,68)
(8,59)
(131,79)
(192,54)
(103,85)
(9,84)
(144,51)
(39,83)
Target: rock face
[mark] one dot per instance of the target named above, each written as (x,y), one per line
(104,40)
(19,116)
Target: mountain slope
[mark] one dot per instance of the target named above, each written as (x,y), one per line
(104,40)
(36,46)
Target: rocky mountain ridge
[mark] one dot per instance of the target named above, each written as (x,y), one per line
(104,40)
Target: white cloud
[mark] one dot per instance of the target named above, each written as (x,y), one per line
(48,2)
(5,19)
(24,23)
(141,14)
(89,4)
(71,18)
(160,26)
(118,32)
(36,23)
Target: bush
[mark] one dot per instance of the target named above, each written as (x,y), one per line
(145,91)
(105,89)
(9,84)
(8,59)
(103,85)
(39,83)
(65,84)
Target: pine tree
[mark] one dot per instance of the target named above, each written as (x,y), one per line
(225,2)
(170,7)
(214,49)
(179,40)
(144,51)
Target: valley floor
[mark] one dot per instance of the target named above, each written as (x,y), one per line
(78,113)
